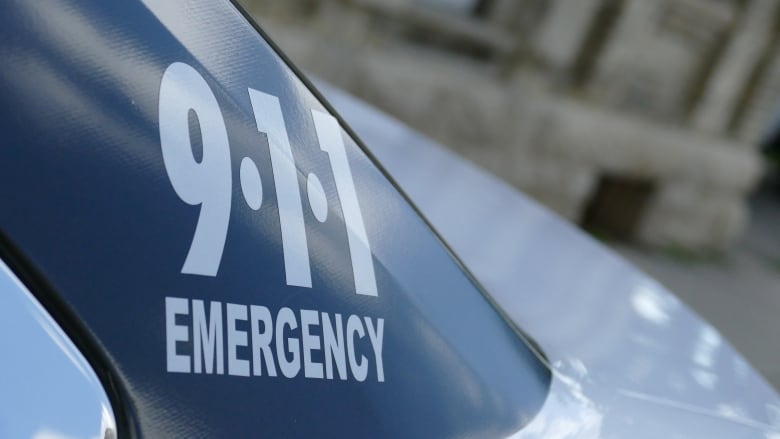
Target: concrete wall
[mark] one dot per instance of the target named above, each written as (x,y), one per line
(554,95)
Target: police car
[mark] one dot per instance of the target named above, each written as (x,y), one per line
(195,244)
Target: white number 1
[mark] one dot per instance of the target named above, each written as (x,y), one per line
(329,136)
(269,119)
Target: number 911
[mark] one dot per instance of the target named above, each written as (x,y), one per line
(208,183)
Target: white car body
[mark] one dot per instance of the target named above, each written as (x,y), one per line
(628,358)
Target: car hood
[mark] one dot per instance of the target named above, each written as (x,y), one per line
(629,359)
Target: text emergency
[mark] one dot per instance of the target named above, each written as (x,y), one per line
(318,345)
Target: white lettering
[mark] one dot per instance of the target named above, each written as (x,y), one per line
(207,336)
(329,136)
(261,341)
(207,182)
(333,342)
(311,369)
(290,368)
(377,337)
(236,366)
(359,369)
(175,306)
(340,342)
(269,120)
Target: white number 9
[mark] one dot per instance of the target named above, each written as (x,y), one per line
(208,183)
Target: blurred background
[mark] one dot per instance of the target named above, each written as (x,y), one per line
(651,124)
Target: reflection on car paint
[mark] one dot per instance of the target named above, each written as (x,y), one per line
(48,388)
(628,358)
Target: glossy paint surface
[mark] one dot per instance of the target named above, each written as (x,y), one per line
(629,359)
(91,205)
(48,388)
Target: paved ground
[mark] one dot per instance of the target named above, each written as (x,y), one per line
(739,292)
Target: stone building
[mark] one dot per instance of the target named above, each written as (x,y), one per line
(637,118)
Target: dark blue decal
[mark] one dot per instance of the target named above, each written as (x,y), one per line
(243,265)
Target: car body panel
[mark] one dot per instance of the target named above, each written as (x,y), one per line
(97,99)
(629,359)
(49,388)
